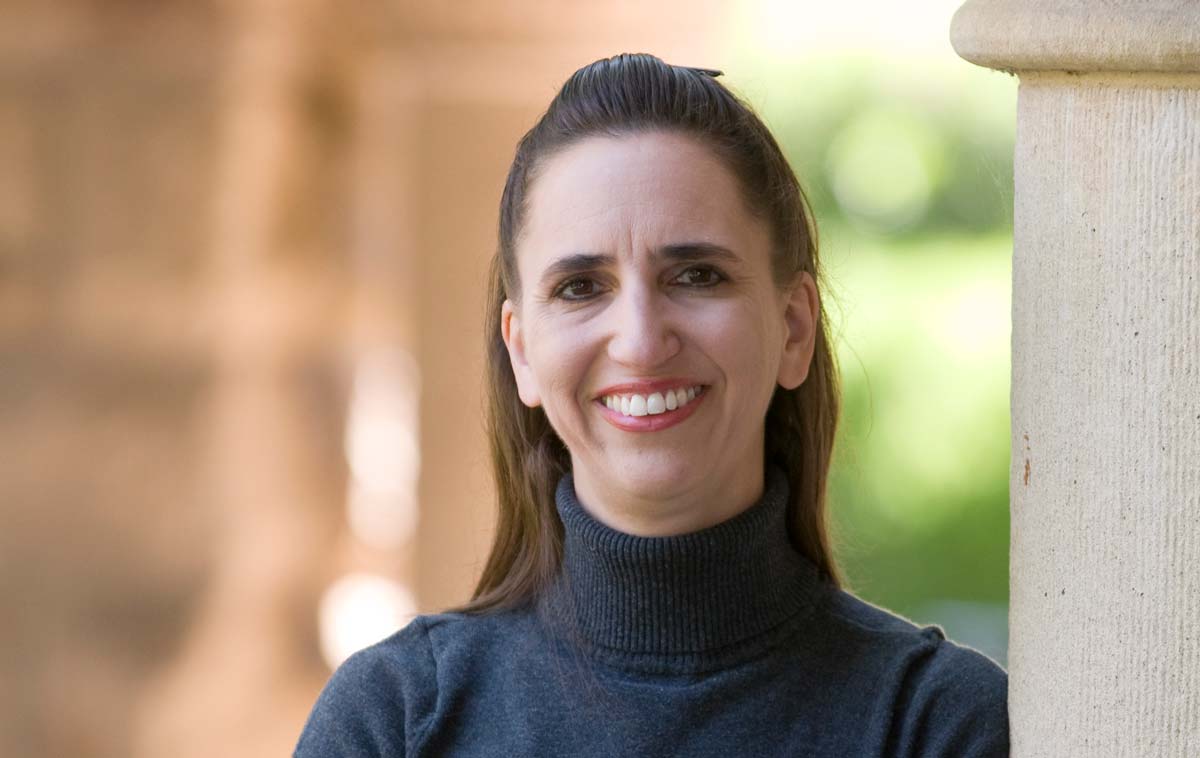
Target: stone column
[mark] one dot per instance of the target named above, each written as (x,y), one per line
(1105,567)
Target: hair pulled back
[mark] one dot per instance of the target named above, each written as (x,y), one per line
(613,97)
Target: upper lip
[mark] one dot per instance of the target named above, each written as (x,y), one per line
(647,386)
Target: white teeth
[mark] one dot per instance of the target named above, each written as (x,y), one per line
(656,404)
(652,405)
(637,405)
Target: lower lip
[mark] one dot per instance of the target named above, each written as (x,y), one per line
(650,423)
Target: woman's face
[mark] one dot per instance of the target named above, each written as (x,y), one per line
(650,330)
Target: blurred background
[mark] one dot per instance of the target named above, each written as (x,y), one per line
(242,256)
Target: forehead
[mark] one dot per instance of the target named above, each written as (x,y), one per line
(605,194)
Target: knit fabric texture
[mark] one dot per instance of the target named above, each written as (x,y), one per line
(722,642)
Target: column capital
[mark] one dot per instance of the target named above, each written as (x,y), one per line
(1079,35)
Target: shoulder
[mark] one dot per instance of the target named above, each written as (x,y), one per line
(382,699)
(947,699)
(377,701)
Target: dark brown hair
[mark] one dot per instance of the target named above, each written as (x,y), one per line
(618,96)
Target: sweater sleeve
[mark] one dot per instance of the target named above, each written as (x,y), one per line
(377,703)
(954,704)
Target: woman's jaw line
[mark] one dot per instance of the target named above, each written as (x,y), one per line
(665,502)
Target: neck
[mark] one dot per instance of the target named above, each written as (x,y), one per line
(660,514)
(682,603)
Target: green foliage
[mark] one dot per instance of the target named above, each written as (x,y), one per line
(919,487)
(896,147)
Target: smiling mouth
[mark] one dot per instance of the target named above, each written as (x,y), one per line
(635,405)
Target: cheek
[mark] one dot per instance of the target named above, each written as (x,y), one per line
(741,339)
(558,357)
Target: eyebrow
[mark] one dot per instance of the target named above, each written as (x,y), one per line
(682,252)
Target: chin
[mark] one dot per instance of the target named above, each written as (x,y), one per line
(651,477)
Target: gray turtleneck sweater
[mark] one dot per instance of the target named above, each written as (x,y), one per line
(722,642)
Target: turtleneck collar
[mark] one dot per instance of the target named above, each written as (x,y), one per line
(685,603)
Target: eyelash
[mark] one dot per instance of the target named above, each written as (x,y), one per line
(565,285)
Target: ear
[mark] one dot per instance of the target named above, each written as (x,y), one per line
(514,340)
(802,309)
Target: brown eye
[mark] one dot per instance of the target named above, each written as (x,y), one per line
(578,288)
(700,276)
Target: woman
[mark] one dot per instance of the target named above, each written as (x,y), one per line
(662,406)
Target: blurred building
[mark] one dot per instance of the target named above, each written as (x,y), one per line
(242,255)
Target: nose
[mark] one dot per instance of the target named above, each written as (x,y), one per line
(643,333)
